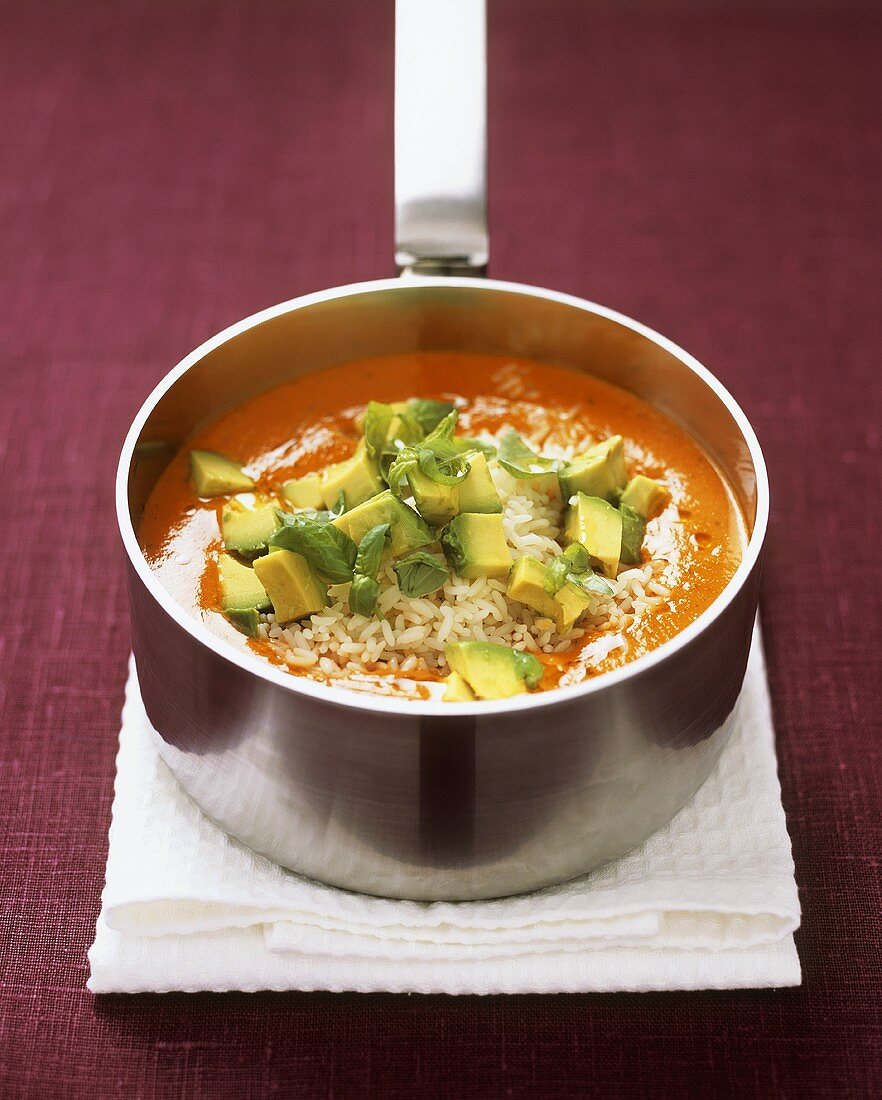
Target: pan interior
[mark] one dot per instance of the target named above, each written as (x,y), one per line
(398,316)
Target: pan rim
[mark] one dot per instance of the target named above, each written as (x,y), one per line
(350,699)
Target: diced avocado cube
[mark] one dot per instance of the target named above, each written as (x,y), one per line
(248,530)
(304,492)
(645,495)
(525,584)
(474,545)
(457,690)
(292,586)
(598,526)
(599,472)
(214,475)
(492,671)
(241,589)
(437,504)
(407,530)
(440,503)
(247,621)
(633,530)
(477,493)
(357,477)
(573,602)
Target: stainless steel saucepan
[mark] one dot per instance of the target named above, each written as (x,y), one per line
(417,799)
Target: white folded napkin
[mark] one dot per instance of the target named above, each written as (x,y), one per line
(708,902)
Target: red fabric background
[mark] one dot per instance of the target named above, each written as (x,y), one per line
(167,168)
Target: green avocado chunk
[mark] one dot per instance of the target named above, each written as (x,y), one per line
(598,526)
(215,475)
(645,495)
(248,530)
(304,492)
(357,477)
(526,585)
(599,472)
(476,492)
(493,671)
(407,530)
(292,586)
(247,621)
(474,545)
(633,530)
(241,589)
(457,690)
(437,504)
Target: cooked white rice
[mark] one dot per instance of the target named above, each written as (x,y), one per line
(411,636)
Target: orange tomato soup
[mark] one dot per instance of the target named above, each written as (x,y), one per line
(306,424)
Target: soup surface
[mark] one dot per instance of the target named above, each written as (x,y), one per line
(629,529)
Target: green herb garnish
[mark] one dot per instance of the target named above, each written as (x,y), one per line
(437,457)
(429,414)
(364,592)
(444,429)
(401,466)
(441,470)
(592,583)
(521,462)
(574,565)
(377,421)
(420,573)
(573,560)
(370,550)
(365,588)
(464,445)
(329,551)
(386,432)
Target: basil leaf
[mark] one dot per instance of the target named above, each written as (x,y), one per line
(420,573)
(370,550)
(528,667)
(436,456)
(451,544)
(340,507)
(573,565)
(363,595)
(514,454)
(463,445)
(329,551)
(578,557)
(429,414)
(386,432)
(396,475)
(556,575)
(406,429)
(444,429)
(320,516)
(441,470)
(590,581)
(377,422)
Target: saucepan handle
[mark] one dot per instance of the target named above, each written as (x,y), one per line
(441,137)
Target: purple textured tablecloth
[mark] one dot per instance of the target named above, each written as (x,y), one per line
(167,168)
